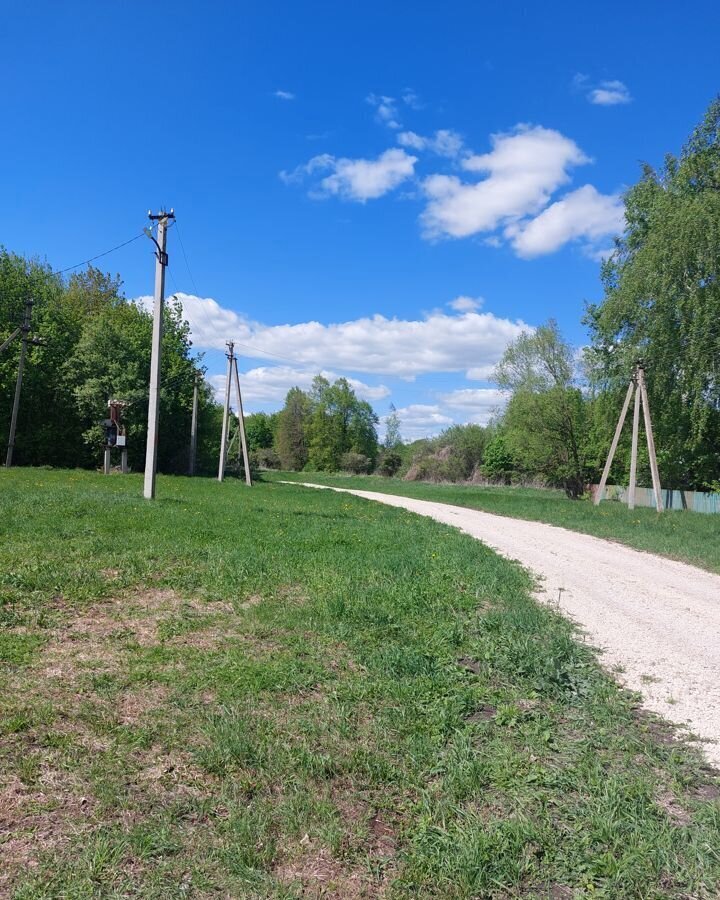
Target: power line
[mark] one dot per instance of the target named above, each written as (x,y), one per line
(100,255)
(187,264)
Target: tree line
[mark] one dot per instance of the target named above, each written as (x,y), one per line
(96,347)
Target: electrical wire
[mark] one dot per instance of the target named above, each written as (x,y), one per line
(187,264)
(100,255)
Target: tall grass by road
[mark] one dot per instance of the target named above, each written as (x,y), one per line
(679,534)
(274,693)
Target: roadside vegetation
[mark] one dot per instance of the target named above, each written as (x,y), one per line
(275,693)
(683,535)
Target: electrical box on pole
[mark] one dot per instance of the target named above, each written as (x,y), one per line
(115,436)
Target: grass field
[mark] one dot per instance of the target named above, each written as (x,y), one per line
(275,693)
(688,536)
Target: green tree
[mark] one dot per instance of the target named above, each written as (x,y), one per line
(291,438)
(393,438)
(260,431)
(339,423)
(662,303)
(544,424)
(498,463)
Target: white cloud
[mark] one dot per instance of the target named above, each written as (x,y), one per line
(582,214)
(609,93)
(466,304)
(444,142)
(356,179)
(385,110)
(284,95)
(367,179)
(422,420)
(404,348)
(477,405)
(411,99)
(268,385)
(523,169)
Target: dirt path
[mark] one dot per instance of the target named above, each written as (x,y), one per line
(656,619)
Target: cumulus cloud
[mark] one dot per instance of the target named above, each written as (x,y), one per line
(385,110)
(404,348)
(477,405)
(284,95)
(444,142)
(422,420)
(466,304)
(523,169)
(268,385)
(609,93)
(356,179)
(581,214)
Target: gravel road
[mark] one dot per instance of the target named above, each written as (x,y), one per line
(656,621)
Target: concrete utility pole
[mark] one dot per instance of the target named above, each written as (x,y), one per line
(161,257)
(650,439)
(25,339)
(193,426)
(232,375)
(226,411)
(638,390)
(634,446)
(241,426)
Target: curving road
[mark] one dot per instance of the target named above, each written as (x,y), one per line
(656,621)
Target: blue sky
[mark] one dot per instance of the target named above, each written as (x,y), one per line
(357,166)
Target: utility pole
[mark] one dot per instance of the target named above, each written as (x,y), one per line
(193,426)
(650,439)
(232,376)
(25,339)
(241,426)
(161,257)
(638,390)
(634,446)
(226,411)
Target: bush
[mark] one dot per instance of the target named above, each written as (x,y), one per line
(389,463)
(264,458)
(355,463)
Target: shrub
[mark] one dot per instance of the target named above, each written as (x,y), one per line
(389,463)
(355,463)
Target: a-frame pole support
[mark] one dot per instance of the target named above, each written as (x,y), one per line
(615,440)
(638,389)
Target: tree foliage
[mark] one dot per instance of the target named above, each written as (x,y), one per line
(662,303)
(544,425)
(96,347)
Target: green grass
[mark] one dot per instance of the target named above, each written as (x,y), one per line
(277,693)
(678,534)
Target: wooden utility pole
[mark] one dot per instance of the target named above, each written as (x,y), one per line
(232,376)
(25,339)
(193,426)
(161,262)
(638,390)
